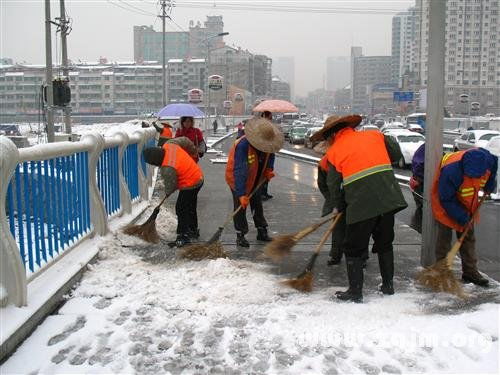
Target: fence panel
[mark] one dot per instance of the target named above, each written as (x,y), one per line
(48,207)
(130,163)
(108,180)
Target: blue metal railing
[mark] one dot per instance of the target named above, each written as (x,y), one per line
(48,207)
(108,180)
(150,143)
(130,172)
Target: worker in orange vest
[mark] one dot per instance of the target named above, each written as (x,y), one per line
(455,197)
(165,132)
(360,163)
(179,172)
(250,160)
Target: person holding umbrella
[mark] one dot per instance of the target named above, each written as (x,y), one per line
(195,135)
(250,160)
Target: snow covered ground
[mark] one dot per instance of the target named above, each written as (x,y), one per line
(141,310)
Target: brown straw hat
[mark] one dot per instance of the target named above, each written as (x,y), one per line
(338,122)
(263,135)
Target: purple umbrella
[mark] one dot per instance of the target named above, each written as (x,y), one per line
(179,110)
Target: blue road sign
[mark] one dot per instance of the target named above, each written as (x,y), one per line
(403,96)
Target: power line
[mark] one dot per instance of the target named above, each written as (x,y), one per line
(140,12)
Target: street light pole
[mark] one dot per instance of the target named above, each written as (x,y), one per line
(48,75)
(64,51)
(434,124)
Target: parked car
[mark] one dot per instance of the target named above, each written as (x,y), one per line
(392,125)
(297,134)
(9,130)
(368,127)
(474,138)
(286,131)
(379,123)
(307,140)
(416,128)
(408,141)
(493,146)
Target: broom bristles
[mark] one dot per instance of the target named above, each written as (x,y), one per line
(280,247)
(302,283)
(200,251)
(440,278)
(146,231)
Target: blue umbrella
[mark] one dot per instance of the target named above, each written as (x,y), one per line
(179,110)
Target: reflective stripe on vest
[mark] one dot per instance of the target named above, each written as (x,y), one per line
(189,173)
(357,155)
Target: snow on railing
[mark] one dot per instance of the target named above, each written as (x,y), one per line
(56,195)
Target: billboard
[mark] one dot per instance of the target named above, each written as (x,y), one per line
(195,96)
(215,82)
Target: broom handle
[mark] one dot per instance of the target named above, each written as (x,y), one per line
(327,233)
(456,246)
(262,180)
(306,231)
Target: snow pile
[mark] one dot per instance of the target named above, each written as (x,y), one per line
(108,129)
(142,310)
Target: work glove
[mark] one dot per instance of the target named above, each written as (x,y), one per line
(335,211)
(268,174)
(244,201)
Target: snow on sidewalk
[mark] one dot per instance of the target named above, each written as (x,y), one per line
(141,310)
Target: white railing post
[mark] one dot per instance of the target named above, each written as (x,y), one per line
(12,272)
(98,215)
(125,198)
(143,184)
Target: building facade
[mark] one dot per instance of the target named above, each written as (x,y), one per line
(280,89)
(114,88)
(472,58)
(403,45)
(184,75)
(366,72)
(337,72)
(148,44)
(284,67)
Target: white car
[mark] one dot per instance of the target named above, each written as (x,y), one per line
(416,128)
(474,138)
(368,127)
(493,146)
(408,141)
(392,125)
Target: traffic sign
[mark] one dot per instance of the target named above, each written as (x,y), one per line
(403,96)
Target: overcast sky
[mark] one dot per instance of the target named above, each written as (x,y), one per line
(102,28)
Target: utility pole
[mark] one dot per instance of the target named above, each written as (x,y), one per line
(434,123)
(48,75)
(64,50)
(163,16)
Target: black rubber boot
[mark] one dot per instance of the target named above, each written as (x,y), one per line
(335,256)
(355,276)
(194,234)
(386,264)
(475,278)
(241,240)
(262,235)
(181,240)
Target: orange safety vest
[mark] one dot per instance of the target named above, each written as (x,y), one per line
(323,163)
(166,132)
(358,154)
(467,193)
(189,173)
(253,167)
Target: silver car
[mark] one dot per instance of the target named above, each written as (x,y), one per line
(474,138)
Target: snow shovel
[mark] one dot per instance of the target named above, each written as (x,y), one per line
(439,276)
(304,281)
(281,246)
(213,249)
(146,231)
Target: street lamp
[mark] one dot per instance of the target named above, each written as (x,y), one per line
(208,68)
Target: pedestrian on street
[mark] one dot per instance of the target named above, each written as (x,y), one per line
(241,129)
(179,172)
(455,197)
(360,162)
(265,193)
(165,131)
(417,178)
(215,125)
(246,167)
(188,130)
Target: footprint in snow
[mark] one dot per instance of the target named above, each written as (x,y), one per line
(79,324)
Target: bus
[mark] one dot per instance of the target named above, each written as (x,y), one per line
(289,118)
(416,118)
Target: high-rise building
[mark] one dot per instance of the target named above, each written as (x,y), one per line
(148,44)
(204,37)
(472,58)
(403,45)
(284,67)
(366,72)
(280,89)
(184,75)
(337,72)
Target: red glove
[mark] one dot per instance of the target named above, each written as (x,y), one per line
(244,201)
(268,174)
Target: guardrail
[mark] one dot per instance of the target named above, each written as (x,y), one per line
(56,195)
